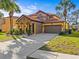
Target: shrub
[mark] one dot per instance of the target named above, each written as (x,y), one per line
(16,32)
(28,32)
(74,28)
(62,33)
(10,32)
(21,31)
(69,31)
(0,30)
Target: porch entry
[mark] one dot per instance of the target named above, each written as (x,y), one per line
(32,28)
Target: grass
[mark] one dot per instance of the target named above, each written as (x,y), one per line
(5,37)
(64,44)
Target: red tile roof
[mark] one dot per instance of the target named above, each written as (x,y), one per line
(30,17)
(35,14)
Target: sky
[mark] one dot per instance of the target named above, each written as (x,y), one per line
(31,6)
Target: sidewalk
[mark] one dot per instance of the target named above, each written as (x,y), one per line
(41,54)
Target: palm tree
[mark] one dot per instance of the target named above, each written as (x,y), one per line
(65,6)
(11,7)
(76,14)
(60,15)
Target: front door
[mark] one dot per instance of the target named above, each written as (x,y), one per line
(33,28)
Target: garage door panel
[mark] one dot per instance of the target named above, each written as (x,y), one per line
(52,29)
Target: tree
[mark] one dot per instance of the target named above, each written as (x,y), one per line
(65,6)
(60,15)
(11,7)
(76,15)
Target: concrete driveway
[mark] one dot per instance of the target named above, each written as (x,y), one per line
(21,48)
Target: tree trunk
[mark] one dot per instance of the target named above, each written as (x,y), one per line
(76,19)
(65,15)
(65,23)
(11,21)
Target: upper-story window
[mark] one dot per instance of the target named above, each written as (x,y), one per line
(42,17)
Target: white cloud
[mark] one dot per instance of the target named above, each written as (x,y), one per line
(33,7)
(24,10)
(4,12)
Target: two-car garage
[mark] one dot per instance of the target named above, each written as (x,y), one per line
(52,28)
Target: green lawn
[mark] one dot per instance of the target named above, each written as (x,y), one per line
(5,37)
(64,44)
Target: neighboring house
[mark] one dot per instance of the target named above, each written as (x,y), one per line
(1,22)
(41,22)
(6,23)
